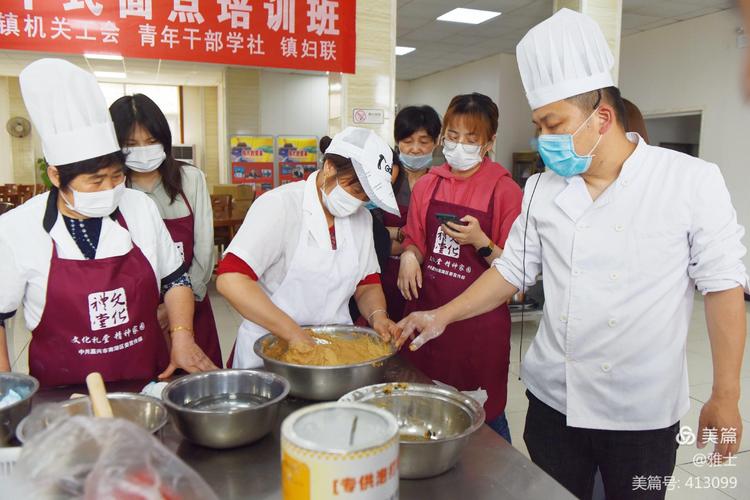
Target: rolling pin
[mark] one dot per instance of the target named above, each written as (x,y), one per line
(98,395)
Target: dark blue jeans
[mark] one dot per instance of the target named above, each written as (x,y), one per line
(500,425)
(571,455)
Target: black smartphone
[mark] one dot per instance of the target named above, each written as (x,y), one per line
(444,218)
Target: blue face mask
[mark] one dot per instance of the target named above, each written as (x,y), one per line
(559,153)
(370,205)
(415,163)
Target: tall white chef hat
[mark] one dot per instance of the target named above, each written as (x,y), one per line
(563,56)
(68,109)
(373,162)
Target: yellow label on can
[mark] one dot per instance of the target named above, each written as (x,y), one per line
(295,478)
(370,474)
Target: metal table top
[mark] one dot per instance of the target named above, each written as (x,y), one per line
(489,469)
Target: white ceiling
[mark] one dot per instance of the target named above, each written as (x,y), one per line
(442,45)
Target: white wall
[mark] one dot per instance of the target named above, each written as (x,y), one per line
(6,157)
(293,104)
(497,77)
(695,65)
(193,120)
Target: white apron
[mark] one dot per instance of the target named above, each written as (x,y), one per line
(315,291)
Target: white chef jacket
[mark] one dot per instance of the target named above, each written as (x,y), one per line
(619,278)
(271,230)
(26,248)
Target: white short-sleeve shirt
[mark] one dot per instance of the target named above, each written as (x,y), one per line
(272,227)
(26,248)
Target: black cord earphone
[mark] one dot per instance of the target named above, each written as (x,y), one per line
(523,265)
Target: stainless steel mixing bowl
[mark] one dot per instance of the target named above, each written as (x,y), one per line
(144,411)
(225,408)
(10,416)
(326,383)
(435,424)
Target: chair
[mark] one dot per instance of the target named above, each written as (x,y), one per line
(5,207)
(27,190)
(21,198)
(5,196)
(221,205)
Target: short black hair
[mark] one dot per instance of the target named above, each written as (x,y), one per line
(70,171)
(589,101)
(396,158)
(413,118)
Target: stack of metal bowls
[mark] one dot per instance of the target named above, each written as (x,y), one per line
(225,408)
(326,383)
(435,424)
(144,411)
(12,414)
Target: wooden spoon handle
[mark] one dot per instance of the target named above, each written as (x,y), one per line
(98,395)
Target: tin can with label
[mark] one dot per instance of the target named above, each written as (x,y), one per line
(339,450)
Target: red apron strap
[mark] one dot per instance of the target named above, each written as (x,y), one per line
(184,198)
(121,220)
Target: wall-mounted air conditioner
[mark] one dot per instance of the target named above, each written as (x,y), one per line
(185,152)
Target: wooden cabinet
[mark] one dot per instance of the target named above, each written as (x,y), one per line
(525,164)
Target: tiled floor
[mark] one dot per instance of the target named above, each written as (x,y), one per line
(699,366)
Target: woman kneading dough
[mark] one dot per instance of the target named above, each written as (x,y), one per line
(90,260)
(305,248)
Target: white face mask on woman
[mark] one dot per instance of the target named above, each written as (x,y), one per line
(95,203)
(461,156)
(339,202)
(144,158)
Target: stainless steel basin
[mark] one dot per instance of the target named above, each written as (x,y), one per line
(435,423)
(326,383)
(10,416)
(225,408)
(145,411)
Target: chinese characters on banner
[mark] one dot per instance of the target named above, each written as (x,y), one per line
(252,161)
(299,34)
(298,158)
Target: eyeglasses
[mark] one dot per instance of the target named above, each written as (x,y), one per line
(468,148)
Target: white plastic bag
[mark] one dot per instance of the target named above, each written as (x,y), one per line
(479,395)
(92,458)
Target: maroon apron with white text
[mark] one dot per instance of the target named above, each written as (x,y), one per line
(475,352)
(99,315)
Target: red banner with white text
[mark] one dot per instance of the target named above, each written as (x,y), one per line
(315,35)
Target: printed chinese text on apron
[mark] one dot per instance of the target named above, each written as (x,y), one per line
(475,352)
(182,231)
(99,315)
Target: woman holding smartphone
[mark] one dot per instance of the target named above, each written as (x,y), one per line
(459,218)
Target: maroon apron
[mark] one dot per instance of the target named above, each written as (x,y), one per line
(182,231)
(395,302)
(99,315)
(471,353)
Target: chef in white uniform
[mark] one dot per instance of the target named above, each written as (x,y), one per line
(306,248)
(90,259)
(624,233)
